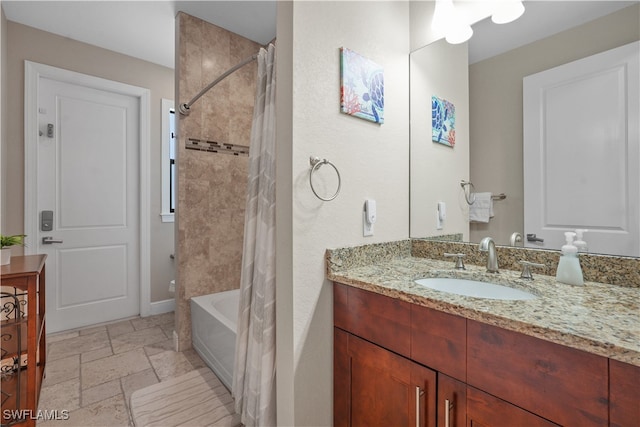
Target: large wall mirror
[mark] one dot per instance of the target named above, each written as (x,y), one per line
(487,91)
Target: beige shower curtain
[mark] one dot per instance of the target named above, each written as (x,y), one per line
(254,382)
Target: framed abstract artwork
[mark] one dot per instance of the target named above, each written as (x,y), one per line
(443,121)
(361,87)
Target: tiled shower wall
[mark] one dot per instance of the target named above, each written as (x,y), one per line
(211,186)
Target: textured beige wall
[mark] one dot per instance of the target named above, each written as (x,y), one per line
(496,110)
(211,187)
(27,43)
(373,161)
(284,216)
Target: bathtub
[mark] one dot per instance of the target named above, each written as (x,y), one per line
(213,331)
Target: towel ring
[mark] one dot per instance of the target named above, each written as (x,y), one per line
(467,194)
(316,162)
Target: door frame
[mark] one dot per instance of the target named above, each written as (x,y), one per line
(33,71)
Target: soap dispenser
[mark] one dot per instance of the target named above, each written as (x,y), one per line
(580,243)
(569,270)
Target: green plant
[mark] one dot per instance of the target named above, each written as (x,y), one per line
(6,241)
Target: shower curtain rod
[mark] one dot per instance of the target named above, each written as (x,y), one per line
(185,109)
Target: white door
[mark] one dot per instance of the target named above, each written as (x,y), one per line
(582,152)
(87,177)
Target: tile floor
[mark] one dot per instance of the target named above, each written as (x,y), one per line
(92,372)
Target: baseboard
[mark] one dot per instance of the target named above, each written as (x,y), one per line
(164,306)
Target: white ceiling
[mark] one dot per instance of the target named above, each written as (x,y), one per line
(541,19)
(145,29)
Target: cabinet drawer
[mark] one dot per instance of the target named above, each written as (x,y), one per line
(16,282)
(624,383)
(564,385)
(377,318)
(486,410)
(439,341)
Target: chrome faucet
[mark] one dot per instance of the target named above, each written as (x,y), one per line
(487,244)
(515,238)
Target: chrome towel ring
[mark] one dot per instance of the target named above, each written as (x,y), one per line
(470,200)
(316,162)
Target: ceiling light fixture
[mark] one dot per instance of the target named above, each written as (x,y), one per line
(460,32)
(448,21)
(507,11)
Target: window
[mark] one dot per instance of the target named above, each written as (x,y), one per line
(168,161)
(172,160)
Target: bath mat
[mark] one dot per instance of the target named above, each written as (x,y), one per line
(194,399)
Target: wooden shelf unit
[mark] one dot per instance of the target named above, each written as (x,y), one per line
(26,275)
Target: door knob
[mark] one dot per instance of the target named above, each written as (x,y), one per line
(49,240)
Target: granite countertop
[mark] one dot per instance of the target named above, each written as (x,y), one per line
(598,318)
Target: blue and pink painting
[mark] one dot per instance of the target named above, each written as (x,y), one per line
(443,121)
(361,87)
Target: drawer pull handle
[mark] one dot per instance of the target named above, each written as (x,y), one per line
(419,394)
(448,407)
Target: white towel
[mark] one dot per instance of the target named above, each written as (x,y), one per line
(482,208)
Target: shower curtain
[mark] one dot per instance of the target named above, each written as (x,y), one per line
(254,381)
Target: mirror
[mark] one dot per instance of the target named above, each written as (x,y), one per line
(491,117)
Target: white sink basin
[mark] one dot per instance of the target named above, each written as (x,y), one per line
(474,288)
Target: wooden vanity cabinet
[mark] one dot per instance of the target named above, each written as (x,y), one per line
(482,375)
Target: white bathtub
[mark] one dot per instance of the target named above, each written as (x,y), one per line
(213,331)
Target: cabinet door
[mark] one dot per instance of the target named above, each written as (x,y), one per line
(484,410)
(452,402)
(423,382)
(379,388)
(624,394)
(341,379)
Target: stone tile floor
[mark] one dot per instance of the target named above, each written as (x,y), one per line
(92,372)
